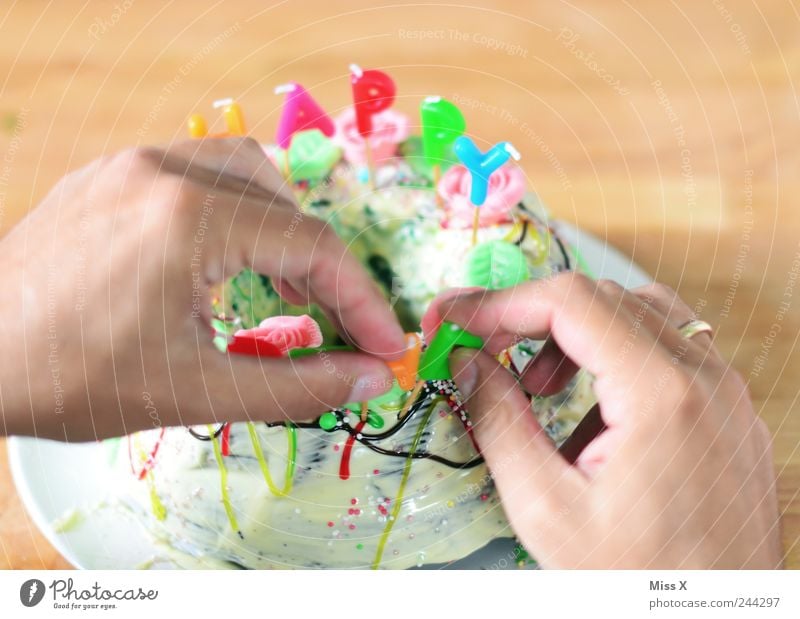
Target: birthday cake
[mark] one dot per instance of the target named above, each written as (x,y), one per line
(397,481)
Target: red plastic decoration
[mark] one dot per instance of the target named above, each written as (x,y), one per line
(250,344)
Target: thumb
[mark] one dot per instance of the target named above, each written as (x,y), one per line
(251,388)
(534,481)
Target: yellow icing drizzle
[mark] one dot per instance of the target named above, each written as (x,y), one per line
(542,246)
(159,511)
(402,488)
(223,480)
(291,433)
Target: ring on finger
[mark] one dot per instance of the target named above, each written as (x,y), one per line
(694,327)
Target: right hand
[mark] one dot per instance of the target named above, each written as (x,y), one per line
(682,477)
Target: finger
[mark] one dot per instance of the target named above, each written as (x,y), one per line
(533,480)
(339,283)
(283,243)
(250,388)
(550,370)
(432,320)
(667,301)
(589,327)
(593,330)
(289,292)
(663,315)
(238,165)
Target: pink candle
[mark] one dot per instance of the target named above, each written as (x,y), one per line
(300,113)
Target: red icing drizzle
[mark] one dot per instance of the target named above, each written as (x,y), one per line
(151,457)
(456,409)
(225,445)
(344,467)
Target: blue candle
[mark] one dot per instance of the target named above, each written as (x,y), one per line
(482,165)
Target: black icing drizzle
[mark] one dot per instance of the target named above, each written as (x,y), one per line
(368,440)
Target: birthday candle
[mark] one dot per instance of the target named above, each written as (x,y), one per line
(197,126)
(373,92)
(300,113)
(481,166)
(442,123)
(232,114)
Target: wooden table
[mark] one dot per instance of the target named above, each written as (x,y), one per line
(671,130)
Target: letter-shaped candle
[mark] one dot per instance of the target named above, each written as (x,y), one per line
(300,112)
(373,92)
(442,123)
(482,165)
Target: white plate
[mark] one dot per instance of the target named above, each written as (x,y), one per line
(54,478)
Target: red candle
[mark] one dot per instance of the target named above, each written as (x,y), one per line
(373,92)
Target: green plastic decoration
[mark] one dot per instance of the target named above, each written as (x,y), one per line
(312,156)
(495,265)
(435,364)
(328,421)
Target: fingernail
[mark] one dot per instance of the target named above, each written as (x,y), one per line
(464,370)
(370,385)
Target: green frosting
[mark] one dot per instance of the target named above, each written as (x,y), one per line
(495,265)
(311,156)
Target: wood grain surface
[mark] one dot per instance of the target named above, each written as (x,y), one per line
(668,128)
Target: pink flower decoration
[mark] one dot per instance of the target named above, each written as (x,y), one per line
(389,128)
(284,333)
(506,189)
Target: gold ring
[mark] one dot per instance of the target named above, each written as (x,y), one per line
(694,327)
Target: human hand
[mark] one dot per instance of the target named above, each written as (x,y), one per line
(106,286)
(681,478)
